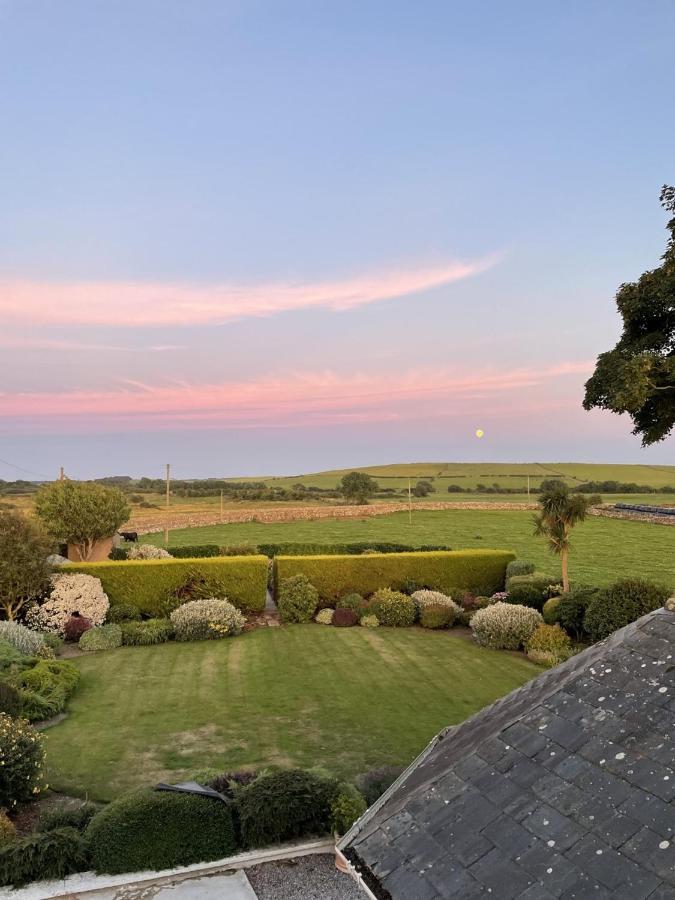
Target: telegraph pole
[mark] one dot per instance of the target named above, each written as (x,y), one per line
(168,494)
(62,474)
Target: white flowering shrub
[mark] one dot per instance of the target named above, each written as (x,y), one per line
(148,551)
(70,594)
(201,620)
(434,598)
(505,626)
(22,639)
(324,616)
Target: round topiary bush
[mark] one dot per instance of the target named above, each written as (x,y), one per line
(550,610)
(71,593)
(104,637)
(504,626)
(324,616)
(393,608)
(369,621)
(21,760)
(344,618)
(437,616)
(284,805)
(155,830)
(201,620)
(549,644)
(622,603)
(75,627)
(298,599)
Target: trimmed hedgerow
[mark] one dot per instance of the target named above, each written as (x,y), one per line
(143,634)
(480,571)
(297,599)
(155,830)
(196,551)
(123,612)
(284,805)
(43,855)
(354,548)
(148,583)
(622,603)
(393,608)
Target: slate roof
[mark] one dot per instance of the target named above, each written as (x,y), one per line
(565,788)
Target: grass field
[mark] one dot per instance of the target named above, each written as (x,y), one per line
(345,699)
(603,549)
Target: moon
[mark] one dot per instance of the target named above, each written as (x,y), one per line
(479,432)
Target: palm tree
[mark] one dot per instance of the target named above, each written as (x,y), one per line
(560,511)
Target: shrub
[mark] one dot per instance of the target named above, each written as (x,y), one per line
(118,553)
(324,616)
(156,830)
(10,657)
(75,627)
(147,551)
(11,702)
(7,829)
(148,584)
(229,783)
(24,568)
(451,572)
(197,551)
(72,815)
(369,621)
(354,548)
(519,567)
(46,687)
(43,855)
(344,618)
(355,602)
(71,593)
(505,626)
(123,612)
(424,599)
(103,637)
(550,610)
(284,805)
(393,608)
(374,783)
(201,620)
(298,599)
(549,642)
(437,616)
(347,806)
(572,609)
(51,640)
(142,634)
(622,603)
(21,761)
(530,590)
(23,639)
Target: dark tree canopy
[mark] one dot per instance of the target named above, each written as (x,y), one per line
(358,486)
(638,376)
(24,570)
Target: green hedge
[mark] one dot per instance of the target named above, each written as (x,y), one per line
(354,548)
(479,571)
(195,551)
(146,583)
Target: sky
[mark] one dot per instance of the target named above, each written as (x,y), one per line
(278,237)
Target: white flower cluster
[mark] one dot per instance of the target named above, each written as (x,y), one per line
(505,626)
(83,594)
(200,620)
(324,616)
(434,598)
(148,551)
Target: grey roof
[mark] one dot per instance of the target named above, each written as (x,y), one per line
(564,788)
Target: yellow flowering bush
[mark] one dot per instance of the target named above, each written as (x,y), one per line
(21,760)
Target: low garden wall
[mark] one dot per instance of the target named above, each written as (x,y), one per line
(480,571)
(146,583)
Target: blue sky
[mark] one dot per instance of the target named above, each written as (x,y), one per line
(249,237)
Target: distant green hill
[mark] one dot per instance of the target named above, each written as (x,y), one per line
(470,475)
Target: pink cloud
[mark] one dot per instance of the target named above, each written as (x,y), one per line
(155,304)
(297,399)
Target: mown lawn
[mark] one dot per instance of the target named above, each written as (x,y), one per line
(603,549)
(345,699)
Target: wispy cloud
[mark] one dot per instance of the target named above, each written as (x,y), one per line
(296,399)
(133,304)
(18,342)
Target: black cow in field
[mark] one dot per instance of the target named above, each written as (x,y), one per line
(129,536)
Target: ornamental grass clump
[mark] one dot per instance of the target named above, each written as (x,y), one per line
(393,608)
(202,620)
(23,639)
(504,626)
(76,593)
(21,760)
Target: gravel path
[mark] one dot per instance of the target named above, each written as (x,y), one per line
(304,878)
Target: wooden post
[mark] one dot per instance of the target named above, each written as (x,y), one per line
(62,474)
(528,488)
(221,505)
(166,521)
(409,504)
